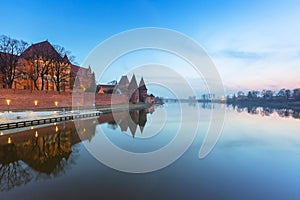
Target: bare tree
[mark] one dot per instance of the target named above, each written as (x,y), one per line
(61,68)
(10,50)
(40,57)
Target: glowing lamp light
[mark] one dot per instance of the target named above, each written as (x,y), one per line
(1,133)
(35,102)
(56,103)
(8,101)
(56,129)
(9,140)
(36,134)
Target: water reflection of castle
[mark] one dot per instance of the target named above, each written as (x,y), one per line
(48,150)
(129,120)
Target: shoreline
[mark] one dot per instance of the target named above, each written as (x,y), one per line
(293,105)
(68,115)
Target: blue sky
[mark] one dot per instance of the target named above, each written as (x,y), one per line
(254,44)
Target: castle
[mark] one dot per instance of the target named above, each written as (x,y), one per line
(136,93)
(43,70)
(43,67)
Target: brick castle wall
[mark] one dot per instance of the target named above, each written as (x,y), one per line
(24,99)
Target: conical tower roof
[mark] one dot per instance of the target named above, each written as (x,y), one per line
(141,128)
(142,84)
(133,84)
(123,81)
(132,127)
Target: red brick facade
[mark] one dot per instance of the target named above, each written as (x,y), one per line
(136,93)
(24,99)
(41,67)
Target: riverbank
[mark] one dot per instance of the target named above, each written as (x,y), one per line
(294,105)
(11,120)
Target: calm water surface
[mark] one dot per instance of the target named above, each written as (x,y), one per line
(257,157)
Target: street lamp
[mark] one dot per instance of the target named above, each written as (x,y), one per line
(8,103)
(35,103)
(56,103)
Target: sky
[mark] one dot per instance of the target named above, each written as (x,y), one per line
(253,44)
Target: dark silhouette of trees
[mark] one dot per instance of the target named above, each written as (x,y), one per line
(61,67)
(296,94)
(60,74)
(48,64)
(40,60)
(10,50)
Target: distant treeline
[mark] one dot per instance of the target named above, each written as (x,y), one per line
(284,98)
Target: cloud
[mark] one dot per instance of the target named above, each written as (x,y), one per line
(258,53)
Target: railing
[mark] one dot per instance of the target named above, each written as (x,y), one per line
(20,124)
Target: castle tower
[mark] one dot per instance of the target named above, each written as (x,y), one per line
(133,91)
(123,85)
(142,91)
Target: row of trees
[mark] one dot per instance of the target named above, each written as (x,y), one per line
(10,50)
(283,94)
(49,64)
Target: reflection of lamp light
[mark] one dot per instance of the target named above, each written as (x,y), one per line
(35,103)
(56,128)
(56,103)
(9,140)
(36,134)
(8,103)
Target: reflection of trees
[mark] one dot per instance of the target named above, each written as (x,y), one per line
(263,111)
(112,125)
(40,153)
(207,105)
(50,151)
(267,111)
(296,114)
(14,174)
(44,153)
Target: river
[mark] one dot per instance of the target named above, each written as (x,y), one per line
(257,156)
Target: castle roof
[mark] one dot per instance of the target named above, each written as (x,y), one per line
(66,59)
(133,84)
(124,81)
(42,49)
(77,70)
(142,84)
(132,127)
